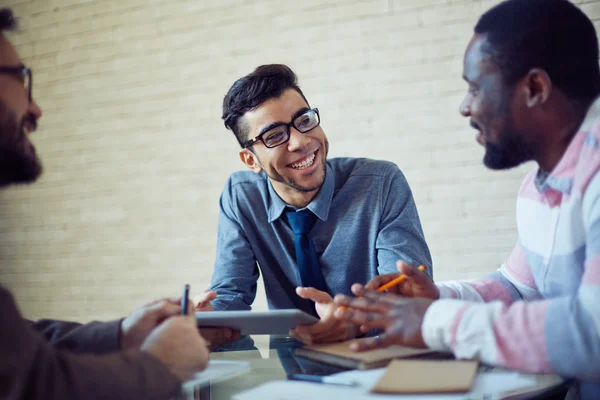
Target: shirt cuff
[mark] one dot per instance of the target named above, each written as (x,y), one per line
(438,321)
(105,337)
(446,292)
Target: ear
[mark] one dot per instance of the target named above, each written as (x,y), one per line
(250,160)
(538,86)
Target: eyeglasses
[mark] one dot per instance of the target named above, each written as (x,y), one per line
(24,74)
(278,134)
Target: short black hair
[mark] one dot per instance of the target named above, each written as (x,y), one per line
(553,35)
(264,83)
(7,20)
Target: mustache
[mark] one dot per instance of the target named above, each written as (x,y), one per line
(474,125)
(30,120)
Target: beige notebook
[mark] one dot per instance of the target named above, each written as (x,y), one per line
(427,376)
(341,355)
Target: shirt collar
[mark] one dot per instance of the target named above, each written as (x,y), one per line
(545,181)
(561,177)
(320,205)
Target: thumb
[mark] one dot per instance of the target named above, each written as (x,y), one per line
(412,272)
(200,300)
(313,294)
(162,310)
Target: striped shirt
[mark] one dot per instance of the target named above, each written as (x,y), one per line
(540,311)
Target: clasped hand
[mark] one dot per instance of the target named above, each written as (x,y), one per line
(399,312)
(328,329)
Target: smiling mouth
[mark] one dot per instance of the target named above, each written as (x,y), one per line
(305,162)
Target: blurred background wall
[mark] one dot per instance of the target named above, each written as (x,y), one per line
(136,155)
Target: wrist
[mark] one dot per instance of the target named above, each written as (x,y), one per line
(439,317)
(121,335)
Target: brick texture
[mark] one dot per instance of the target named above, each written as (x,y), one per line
(136,155)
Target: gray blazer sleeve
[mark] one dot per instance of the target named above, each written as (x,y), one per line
(400,234)
(94,337)
(31,368)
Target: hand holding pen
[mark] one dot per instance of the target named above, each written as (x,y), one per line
(411,282)
(398,307)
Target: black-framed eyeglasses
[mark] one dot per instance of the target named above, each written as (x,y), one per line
(279,133)
(24,74)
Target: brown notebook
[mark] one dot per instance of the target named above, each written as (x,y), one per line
(341,355)
(427,376)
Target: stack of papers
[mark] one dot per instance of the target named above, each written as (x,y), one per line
(341,355)
(486,385)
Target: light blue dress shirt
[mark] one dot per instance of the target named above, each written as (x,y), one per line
(367,220)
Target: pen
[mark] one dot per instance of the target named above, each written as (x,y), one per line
(396,281)
(184,299)
(332,380)
(391,283)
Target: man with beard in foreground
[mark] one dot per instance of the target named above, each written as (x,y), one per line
(144,356)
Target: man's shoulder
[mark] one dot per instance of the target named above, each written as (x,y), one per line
(351,167)
(246,179)
(245,190)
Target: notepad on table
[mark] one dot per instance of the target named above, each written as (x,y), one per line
(427,376)
(341,355)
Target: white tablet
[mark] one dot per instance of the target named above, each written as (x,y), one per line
(255,322)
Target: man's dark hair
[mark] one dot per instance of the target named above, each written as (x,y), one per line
(553,35)
(264,83)
(7,20)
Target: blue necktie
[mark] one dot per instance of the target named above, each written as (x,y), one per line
(306,256)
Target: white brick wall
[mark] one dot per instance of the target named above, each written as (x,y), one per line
(136,153)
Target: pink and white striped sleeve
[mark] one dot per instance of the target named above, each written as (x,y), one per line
(558,335)
(511,282)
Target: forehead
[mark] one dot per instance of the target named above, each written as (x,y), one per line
(280,109)
(8,54)
(477,62)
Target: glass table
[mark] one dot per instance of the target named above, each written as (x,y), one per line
(272,358)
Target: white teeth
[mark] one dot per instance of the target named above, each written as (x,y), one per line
(306,163)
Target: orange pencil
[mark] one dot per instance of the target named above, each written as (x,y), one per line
(391,283)
(398,280)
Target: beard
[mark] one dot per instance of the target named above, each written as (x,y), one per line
(18,160)
(511,149)
(277,177)
(508,153)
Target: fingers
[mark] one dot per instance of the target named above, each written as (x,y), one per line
(369,302)
(219,335)
(330,332)
(375,342)
(191,310)
(308,333)
(162,309)
(202,301)
(357,289)
(304,338)
(419,277)
(322,326)
(380,280)
(154,302)
(342,330)
(313,294)
(368,320)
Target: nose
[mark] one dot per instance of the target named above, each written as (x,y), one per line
(298,140)
(465,107)
(35,110)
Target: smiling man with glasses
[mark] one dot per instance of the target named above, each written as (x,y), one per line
(312,226)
